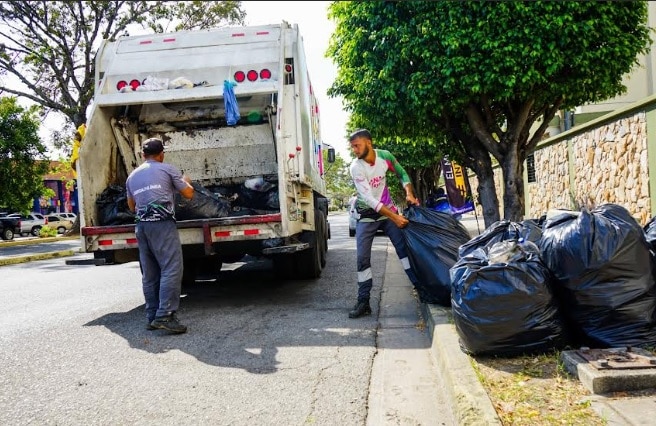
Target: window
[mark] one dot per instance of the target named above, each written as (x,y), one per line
(530,168)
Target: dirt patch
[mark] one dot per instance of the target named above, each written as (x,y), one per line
(535,390)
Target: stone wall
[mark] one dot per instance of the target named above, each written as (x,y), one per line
(605,161)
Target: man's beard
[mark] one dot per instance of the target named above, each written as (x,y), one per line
(364,154)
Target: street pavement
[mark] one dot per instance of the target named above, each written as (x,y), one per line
(401,396)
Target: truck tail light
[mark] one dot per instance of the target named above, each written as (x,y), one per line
(252,75)
(46,220)
(265,74)
(121,85)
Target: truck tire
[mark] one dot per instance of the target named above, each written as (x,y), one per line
(7,234)
(311,261)
(284,266)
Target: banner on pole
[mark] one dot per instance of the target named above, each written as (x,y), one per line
(457,186)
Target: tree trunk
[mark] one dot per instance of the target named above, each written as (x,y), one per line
(513,186)
(481,163)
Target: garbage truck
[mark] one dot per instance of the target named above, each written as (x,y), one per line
(237,112)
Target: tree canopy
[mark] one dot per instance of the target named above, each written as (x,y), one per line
(49,46)
(476,78)
(22,156)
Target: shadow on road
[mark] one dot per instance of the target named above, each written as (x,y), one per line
(247,316)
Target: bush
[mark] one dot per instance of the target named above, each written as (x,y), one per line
(47,231)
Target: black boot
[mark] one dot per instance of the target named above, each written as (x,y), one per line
(360,309)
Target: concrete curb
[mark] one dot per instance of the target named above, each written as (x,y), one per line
(469,400)
(36,240)
(33,257)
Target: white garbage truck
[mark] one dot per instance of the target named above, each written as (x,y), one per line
(238,114)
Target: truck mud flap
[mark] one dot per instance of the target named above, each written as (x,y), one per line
(291,248)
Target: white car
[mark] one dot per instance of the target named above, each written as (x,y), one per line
(69,216)
(353,216)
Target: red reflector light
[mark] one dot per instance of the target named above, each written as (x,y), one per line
(131,241)
(288,68)
(265,74)
(105,243)
(251,231)
(134,84)
(240,76)
(252,75)
(222,234)
(121,84)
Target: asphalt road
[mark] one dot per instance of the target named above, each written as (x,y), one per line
(74,349)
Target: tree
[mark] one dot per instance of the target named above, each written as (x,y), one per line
(338,179)
(480,75)
(50,46)
(22,156)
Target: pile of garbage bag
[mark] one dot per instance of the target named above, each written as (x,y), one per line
(112,207)
(432,241)
(603,267)
(253,196)
(502,300)
(579,278)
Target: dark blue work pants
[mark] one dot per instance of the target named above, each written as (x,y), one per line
(364,238)
(160,254)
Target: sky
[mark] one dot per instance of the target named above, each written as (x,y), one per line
(316,28)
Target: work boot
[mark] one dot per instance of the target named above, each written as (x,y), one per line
(169,323)
(149,325)
(360,309)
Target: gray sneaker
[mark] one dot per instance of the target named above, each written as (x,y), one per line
(169,323)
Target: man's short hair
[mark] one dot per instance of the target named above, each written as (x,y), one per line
(152,146)
(360,133)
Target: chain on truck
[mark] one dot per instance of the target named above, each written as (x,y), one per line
(172,86)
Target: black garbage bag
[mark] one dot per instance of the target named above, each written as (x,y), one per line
(112,207)
(432,240)
(502,301)
(257,199)
(605,285)
(650,231)
(203,205)
(502,230)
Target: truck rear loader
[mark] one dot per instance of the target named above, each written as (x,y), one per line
(235,108)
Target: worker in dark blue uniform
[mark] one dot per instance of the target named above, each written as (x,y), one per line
(151,190)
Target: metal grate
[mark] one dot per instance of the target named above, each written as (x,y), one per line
(530,168)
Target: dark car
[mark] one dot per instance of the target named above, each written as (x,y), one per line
(9,226)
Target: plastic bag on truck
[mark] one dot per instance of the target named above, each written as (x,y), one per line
(432,241)
(230,103)
(203,205)
(112,207)
(502,301)
(528,230)
(604,281)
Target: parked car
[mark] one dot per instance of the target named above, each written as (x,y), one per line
(30,223)
(69,216)
(8,227)
(353,216)
(62,224)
